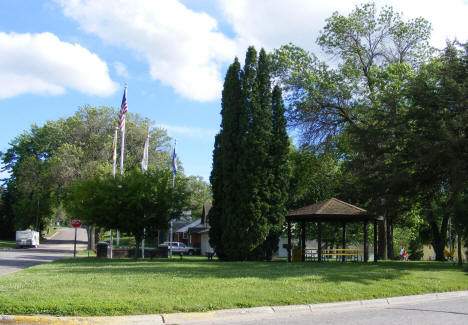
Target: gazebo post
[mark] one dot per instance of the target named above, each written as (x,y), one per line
(343,242)
(375,241)
(366,253)
(303,240)
(289,240)
(319,244)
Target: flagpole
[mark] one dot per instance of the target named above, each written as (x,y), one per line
(123,111)
(174,168)
(144,167)
(122,147)
(114,156)
(122,152)
(114,164)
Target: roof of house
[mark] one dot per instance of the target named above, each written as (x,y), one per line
(178,224)
(198,229)
(329,210)
(186,226)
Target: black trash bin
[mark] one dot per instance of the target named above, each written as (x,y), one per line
(163,251)
(102,249)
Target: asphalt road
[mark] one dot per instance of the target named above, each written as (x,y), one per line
(59,246)
(446,311)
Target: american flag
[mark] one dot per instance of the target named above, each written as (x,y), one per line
(123,111)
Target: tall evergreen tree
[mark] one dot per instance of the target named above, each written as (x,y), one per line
(226,157)
(279,183)
(244,224)
(257,176)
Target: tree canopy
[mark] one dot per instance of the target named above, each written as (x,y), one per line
(396,112)
(45,160)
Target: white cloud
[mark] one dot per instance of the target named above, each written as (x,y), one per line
(42,64)
(120,69)
(273,23)
(448,18)
(189,131)
(184,49)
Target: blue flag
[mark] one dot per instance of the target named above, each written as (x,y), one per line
(174,159)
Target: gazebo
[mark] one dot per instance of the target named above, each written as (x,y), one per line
(331,211)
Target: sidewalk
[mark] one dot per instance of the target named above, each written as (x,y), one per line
(250,313)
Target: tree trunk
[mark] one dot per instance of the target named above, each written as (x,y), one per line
(439,238)
(383,251)
(138,240)
(390,254)
(98,234)
(460,257)
(92,238)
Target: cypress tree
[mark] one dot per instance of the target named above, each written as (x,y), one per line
(259,174)
(245,219)
(279,149)
(226,155)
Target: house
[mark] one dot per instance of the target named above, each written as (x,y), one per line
(194,233)
(184,235)
(205,231)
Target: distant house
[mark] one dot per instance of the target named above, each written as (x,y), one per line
(205,231)
(194,233)
(184,219)
(184,235)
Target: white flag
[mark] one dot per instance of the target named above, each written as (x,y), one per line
(144,161)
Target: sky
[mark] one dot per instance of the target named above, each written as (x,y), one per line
(58,55)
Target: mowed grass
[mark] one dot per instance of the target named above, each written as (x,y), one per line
(7,244)
(90,286)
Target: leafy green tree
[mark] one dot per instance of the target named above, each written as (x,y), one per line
(7,227)
(137,202)
(362,99)
(437,140)
(200,193)
(44,161)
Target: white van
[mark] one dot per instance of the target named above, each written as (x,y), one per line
(27,238)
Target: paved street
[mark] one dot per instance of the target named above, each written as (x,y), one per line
(446,311)
(60,246)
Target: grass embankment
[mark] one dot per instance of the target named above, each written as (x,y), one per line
(125,241)
(7,244)
(115,287)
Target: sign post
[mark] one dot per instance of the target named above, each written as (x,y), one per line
(76,223)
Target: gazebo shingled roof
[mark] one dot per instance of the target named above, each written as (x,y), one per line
(329,210)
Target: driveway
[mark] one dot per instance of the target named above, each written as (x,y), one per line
(59,246)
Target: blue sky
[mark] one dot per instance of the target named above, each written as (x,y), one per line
(57,55)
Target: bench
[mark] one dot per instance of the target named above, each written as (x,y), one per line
(353,254)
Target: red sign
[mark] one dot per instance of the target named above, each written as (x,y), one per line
(75,223)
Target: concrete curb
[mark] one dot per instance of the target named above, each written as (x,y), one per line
(264,312)
(119,320)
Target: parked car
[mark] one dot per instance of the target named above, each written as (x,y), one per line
(27,238)
(178,248)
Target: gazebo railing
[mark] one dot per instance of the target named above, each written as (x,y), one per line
(338,254)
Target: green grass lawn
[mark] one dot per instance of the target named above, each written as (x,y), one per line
(90,286)
(7,244)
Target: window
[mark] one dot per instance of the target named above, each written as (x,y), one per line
(185,235)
